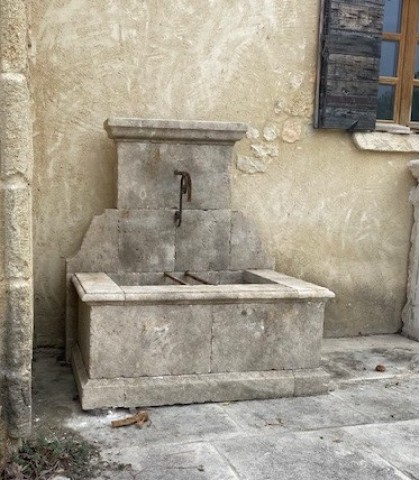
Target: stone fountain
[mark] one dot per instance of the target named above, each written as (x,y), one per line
(162,311)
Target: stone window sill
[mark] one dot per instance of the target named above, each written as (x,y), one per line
(388,138)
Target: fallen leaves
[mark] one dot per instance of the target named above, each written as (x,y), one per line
(140,419)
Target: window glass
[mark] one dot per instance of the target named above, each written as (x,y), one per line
(392,15)
(416,74)
(389,58)
(415,105)
(385,102)
(399,72)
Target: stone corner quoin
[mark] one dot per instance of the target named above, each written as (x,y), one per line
(16,162)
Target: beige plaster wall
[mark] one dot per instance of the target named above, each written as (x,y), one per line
(330,213)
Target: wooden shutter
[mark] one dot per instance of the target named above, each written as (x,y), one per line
(350,49)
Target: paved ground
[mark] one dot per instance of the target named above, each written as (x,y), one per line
(366,428)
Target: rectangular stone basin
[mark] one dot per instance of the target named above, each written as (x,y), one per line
(143,340)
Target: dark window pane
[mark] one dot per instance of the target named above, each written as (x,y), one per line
(385,102)
(389,58)
(415,105)
(392,15)
(417,62)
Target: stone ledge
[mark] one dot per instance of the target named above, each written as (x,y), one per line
(187,389)
(303,288)
(134,129)
(386,142)
(98,288)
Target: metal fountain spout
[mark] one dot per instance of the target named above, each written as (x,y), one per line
(185,189)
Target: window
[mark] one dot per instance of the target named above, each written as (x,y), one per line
(398,91)
(369,65)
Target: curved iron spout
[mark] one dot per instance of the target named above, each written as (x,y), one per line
(185,189)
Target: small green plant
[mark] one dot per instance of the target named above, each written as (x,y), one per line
(41,459)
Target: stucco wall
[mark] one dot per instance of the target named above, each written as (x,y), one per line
(330,213)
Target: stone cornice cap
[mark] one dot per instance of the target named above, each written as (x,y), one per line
(138,129)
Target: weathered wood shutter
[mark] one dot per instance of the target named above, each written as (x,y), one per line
(350,48)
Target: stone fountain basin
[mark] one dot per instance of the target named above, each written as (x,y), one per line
(256,334)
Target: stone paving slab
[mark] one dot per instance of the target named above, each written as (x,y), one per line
(364,429)
(381,401)
(353,360)
(360,365)
(321,455)
(197,461)
(398,443)
(181,424)
(283,415)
